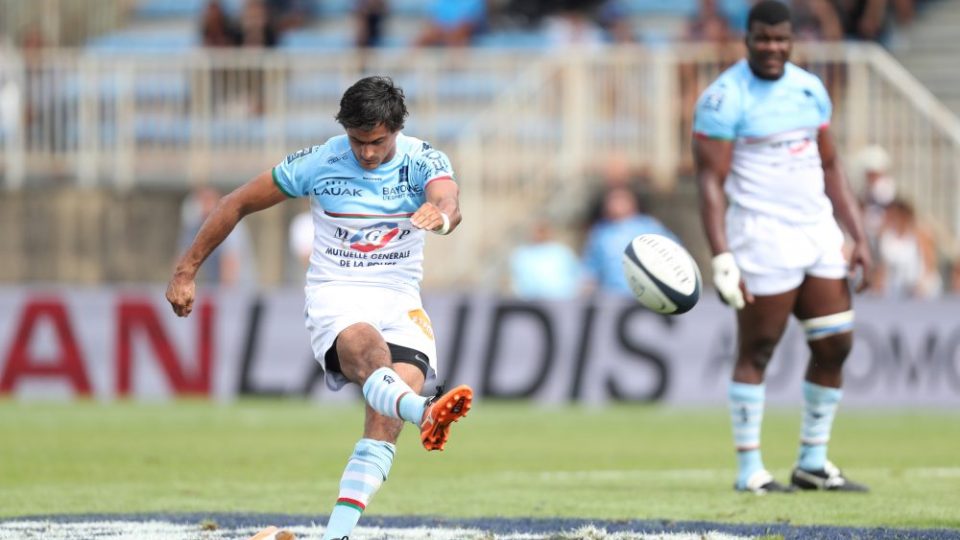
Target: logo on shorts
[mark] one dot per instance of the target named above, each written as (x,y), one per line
(419,317)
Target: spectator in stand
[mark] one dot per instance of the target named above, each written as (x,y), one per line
(612,17)
(863,19)
(216,28)
(955,276)
(871,173)
(544,268)
(816,20)
(453,23)
(616,172)
(622,222)
(573,28)
(288,14)
(258,28)
(370,16)
(300,236)
(708,25)
(232,263)
(908,256)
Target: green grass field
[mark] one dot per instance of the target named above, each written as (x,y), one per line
(505,459)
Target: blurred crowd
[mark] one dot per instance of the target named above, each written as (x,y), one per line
(560,259)
(912,259)
(564,22)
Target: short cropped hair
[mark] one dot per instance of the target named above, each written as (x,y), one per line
(768,12)
(372,101)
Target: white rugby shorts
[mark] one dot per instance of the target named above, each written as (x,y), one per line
(774,256)
(397,315)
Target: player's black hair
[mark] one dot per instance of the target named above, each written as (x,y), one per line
(768,12)
(372,101)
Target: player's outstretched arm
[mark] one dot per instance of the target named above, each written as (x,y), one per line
(441,212)
(257,194)
(712,159)
(845,207)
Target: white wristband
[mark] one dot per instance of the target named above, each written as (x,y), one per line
(445,229)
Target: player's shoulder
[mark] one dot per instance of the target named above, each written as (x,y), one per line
(331,151)
(798,75)
(412,146)
(734,77)
(728,85)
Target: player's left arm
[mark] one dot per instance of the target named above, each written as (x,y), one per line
(441,211)
(845,207)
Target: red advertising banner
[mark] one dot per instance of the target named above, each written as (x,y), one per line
(114,343)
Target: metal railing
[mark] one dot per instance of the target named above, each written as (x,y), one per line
(522,127)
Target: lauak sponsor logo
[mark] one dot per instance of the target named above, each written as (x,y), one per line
(337,188)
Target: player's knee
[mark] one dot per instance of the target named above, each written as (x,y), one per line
(833,349)
(831,336)
(759,351)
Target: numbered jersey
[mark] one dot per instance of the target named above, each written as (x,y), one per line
(776,168)
(361,218)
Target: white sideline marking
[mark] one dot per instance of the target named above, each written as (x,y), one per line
(706,474)
(159,530)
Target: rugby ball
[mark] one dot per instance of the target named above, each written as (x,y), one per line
(662,274)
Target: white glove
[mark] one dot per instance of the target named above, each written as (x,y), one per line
(726,278)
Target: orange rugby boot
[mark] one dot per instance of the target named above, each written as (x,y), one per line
(443,410)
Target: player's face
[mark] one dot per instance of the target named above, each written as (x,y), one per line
(768,48)
(374,147)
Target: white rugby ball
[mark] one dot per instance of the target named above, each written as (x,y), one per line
(662,274)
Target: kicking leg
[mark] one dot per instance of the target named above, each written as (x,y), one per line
(364,357)
(824,309)
(759,327)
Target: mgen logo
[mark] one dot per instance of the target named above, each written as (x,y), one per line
(376,236)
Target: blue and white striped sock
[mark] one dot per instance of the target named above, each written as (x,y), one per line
(367,469)
(819,408)
(746,415)
(386,392)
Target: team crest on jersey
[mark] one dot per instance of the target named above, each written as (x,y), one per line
(375,236)
(714,100)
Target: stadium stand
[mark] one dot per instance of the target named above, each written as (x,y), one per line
(929,45)
(144,105)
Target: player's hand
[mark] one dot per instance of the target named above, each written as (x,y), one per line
(726,278)
(180,293)
(428,217)
(861,266)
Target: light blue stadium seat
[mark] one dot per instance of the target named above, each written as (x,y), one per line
(308,87)
(314,39)
(311,128)
(512,39)
(676,7)
(164,41)
(333,8)
(410,8)
(164,9)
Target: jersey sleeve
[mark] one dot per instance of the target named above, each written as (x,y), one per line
(291,174)
(717,113)
(430,165)
(823,102)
